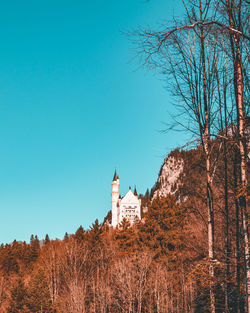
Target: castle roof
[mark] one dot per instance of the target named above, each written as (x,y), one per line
(115,176)
(130,198)
(135,191)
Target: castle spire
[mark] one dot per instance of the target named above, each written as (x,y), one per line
(135,191)
(115,176)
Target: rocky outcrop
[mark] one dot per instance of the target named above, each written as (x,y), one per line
(169,176)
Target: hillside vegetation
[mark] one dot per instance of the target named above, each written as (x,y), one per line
(158,265)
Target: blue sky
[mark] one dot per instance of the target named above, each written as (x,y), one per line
(73,106)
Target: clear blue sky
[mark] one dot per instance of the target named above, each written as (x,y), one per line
(72,108)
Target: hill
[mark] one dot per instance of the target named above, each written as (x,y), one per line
(158,265)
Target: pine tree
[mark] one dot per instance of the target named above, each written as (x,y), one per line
(126,238)
(145,201)
(8,260)
(38,296)
(34,248)
(46,240)
(94,235)
(80,234)
(26,254)
(32,238)
(18,299)
(162,231)
(66,237)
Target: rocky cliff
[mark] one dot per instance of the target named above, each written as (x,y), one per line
(182,174)
(169,177)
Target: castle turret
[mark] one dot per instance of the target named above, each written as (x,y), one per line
(135,191)
(115,199)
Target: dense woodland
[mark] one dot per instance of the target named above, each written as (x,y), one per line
(190,252)
(158,265)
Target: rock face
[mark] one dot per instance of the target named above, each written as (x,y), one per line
(168,179)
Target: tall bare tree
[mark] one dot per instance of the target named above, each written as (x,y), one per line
(188,51)
(237,16)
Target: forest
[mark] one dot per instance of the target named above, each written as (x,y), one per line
(190,251)
(160,264)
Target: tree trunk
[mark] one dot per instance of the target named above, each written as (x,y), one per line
(208,171)
(239,91)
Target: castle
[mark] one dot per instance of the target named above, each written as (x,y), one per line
(128,207)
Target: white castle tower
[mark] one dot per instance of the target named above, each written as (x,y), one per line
(115,199)
(128,207)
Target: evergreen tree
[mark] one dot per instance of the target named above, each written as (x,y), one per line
(32,238)
(8,260)
(126,238)
(47,240)
(26,254)
(38,296)
(162,230)
(18,299)
(94,235)
(34,248)
(66,237)
(17,249)
(80,234)
(145,201)
(108,218)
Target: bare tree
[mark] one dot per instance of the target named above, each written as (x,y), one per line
(188,52)
(237,16)
(51,262)
(130,282)
(75,273)
(160,289)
